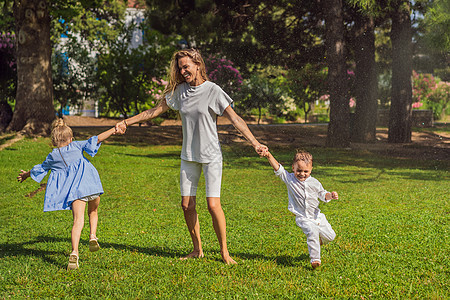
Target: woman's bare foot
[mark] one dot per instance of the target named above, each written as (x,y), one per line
(193,254)
(227,259)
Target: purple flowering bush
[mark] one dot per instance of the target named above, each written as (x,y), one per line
(7,49)
(222,72)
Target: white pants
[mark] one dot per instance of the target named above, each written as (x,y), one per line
(190,174)
(316,230)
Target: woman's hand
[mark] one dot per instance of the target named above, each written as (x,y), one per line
(121,127)
(262,150)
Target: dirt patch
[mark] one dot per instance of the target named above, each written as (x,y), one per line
(428,144)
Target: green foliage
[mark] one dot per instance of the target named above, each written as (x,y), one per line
(127,75)
(391,222)
(306,85)
(261,91)
(251,33)
(6,16)
(437,23)
(92,21)
(431,93)
(73,72)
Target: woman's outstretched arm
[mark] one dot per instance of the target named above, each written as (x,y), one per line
(242,127)
(104,135)
(149,114)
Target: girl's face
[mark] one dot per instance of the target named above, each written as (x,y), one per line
(302,170)
(190,71)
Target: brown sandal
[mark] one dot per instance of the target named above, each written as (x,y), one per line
(93,245)
(73,262)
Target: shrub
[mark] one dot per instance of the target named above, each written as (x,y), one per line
(430,92)
(223,72)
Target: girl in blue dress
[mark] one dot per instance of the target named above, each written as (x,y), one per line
(72,182)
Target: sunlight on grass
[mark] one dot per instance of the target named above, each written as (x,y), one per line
(391,222)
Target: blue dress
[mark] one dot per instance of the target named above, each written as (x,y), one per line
(72,176)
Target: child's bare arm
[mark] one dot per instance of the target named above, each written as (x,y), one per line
(104,135)
(332,195)
(23,175)
(273,162)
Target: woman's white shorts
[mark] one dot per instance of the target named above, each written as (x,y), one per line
(190,174)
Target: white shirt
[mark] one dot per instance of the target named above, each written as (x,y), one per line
(199,107)
(303,195)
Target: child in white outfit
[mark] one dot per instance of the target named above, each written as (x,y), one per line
(304,193)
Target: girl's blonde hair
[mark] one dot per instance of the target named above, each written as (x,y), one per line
(304,156)
(175,77)
(61,133)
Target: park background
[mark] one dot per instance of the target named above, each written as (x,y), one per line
(344,79)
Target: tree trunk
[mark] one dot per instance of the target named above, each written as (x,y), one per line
(400,114)
(339,126)
(34,110)
(364,129)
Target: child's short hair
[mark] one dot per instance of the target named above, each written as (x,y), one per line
(60,132)
(304,156)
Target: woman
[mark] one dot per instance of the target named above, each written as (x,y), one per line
(199,102)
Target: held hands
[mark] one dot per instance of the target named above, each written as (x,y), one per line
(23,175)
(262,150)
(121,127)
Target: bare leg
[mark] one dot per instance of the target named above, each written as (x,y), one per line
(190,215)
(78,207)
(93,217)
(220,227)
(93,220)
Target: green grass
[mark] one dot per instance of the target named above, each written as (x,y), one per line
(392,225)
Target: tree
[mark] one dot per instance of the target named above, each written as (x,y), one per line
(34,110)
(437,24)
(400,114)
(307,85)
(34,99)
(432,40)
(73,72)
(7,77)
(251,33)
(338,128)
(260,92)
(127,76)
(366,84)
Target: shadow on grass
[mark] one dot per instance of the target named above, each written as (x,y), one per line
(21,249)
(284,260)
(25,249)
(152,251)
(152,155)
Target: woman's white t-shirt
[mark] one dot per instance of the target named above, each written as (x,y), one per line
(199,107)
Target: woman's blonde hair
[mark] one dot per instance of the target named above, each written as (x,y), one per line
(61,133)
(175,77)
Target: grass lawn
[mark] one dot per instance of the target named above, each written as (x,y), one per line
(392,225)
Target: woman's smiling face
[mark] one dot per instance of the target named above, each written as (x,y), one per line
(190,71)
